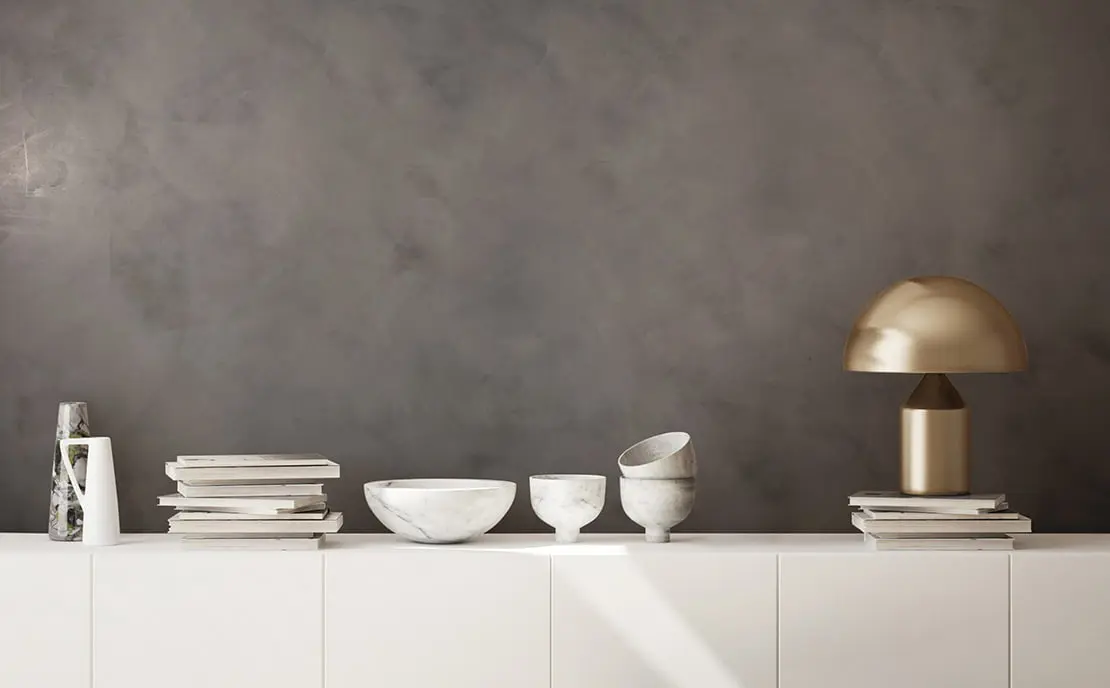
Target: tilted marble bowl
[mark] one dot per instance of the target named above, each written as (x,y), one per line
(670,455)
(439,510)
(567,502)
(657,504)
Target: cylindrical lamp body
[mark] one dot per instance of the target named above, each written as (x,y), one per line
(935,450)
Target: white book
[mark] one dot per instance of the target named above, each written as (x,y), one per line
(252,511)
(246,475)
(937,509)
(891,499)
(985,542)
(941,527)
(241,460)
(245,536)
(881,515)
(250,505)
(232,516)
(329,524)
(285,490)
(271,543)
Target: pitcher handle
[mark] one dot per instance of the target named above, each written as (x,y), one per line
(65,445)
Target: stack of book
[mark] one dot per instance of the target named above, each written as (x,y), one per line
(264,501)
(895,521)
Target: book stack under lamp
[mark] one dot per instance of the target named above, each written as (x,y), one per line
(896,521)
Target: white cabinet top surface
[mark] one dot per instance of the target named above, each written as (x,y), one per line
(590,544)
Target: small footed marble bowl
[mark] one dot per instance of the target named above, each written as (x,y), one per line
(440,510)
(567,502)
(670,455)
(657,505)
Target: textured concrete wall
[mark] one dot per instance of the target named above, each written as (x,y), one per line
(490,239)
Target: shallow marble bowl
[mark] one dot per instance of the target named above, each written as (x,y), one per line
(567,502)
(670,455)
(439,510)
(657,504)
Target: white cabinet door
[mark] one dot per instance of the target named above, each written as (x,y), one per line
(906,619)
(44,615)
(659,620)
(437,617)
(218,619)
(1061,620)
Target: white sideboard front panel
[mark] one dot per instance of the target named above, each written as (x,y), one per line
(906,619)
(664,619)
(218,619)
(44,616)
(442,616)
(705,611)
(1061,620)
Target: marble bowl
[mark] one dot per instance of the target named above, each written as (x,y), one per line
(669,456)
(439,510)
(657,504)
(567,502)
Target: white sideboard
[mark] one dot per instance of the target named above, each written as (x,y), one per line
(518,611)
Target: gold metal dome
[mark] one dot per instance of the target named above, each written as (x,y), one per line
(935,325)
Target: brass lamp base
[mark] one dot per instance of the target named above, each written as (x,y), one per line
(935,442)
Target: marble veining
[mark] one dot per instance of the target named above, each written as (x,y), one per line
(439,510)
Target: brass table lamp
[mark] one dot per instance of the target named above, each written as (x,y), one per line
(935,326)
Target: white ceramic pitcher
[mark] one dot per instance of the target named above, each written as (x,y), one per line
(99,500)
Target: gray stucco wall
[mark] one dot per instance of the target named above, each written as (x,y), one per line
(490,239)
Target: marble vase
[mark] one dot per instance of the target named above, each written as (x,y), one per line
(66,514)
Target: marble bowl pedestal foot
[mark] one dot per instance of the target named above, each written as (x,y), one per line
(657,535)
(567,535)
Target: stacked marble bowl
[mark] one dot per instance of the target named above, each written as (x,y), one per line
(657,483)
